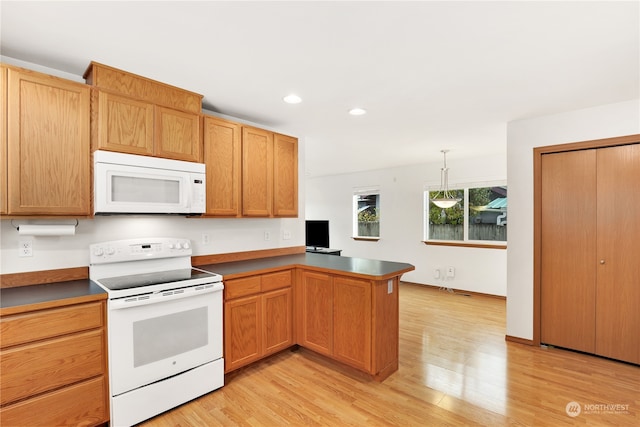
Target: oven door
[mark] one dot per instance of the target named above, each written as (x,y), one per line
(152,337)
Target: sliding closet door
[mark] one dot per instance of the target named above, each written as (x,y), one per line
(568,250)
(618,272)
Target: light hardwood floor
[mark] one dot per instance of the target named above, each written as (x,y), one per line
(455,369)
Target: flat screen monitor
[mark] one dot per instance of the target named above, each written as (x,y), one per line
(317,233)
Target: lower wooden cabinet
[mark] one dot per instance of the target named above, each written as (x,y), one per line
(53,366)
(352,320)
(316,312)
(258,312)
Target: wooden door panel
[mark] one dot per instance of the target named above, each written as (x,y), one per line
(242,334)
(285,176)
(352,321)
(277,307)
(257,172)
(177,135)
(124,125)
(222,157)
(48,144)
(317,312)
(568,242)
(618,276)
(3,140)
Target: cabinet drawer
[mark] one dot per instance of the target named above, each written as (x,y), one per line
(82,404)
(23,328)
(281,279)
(35,368)
(241,287)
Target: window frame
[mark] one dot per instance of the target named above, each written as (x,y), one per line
(466,242)
(365,191)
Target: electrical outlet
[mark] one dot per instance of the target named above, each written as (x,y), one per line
(286,235)
(205,239)
(267,235)
(25,247)
(451,272)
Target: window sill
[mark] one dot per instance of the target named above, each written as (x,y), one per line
(465,244)
(366,239)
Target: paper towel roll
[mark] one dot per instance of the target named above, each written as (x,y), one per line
(47,230)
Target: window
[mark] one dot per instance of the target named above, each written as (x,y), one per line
(481,216)
(366,214)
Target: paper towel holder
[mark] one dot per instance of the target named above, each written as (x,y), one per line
(47,229)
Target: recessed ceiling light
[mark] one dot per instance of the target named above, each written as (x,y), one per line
(357,111)
(292,99)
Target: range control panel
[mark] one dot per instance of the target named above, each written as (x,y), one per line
(139,249)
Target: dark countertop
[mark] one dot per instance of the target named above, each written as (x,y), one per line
(359,267)
(34,297)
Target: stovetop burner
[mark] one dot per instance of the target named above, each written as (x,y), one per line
(140,280)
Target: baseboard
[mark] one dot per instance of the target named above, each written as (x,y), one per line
(518,340)
(457,291)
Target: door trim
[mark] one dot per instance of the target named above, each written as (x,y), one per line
(538,152)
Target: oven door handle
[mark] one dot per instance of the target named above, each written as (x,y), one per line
(164,296)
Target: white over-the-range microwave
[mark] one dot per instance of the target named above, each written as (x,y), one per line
(133,184)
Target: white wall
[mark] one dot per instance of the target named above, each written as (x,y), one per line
(522,136)
(401,217)
(226,235)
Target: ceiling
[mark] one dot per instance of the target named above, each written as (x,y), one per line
(431,75)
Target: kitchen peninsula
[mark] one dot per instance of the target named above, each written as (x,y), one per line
(344,308)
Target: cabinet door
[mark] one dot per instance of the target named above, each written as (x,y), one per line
(242,331)
(352,321)
(277,309)
(257,172)
(568,250)
(48,145)
(3,140)
(316,320)
(618,269)
(123,124)
(285,176)
(222,157)
(177,135)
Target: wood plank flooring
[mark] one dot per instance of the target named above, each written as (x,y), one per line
(455,369)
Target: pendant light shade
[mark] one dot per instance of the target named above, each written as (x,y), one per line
(443,198)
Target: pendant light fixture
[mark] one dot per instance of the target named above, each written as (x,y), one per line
(443,198)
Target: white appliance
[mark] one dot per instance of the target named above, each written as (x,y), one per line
(129,184)
(164,322)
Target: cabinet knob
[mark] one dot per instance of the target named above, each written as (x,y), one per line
(601,261)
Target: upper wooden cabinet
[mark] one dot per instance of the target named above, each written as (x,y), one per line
(3,139)
(48,145)
(285,175)
(122,124)
(223,159)
(257,172)
(136,115)
(129,125)
(251,172)
(177,134)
